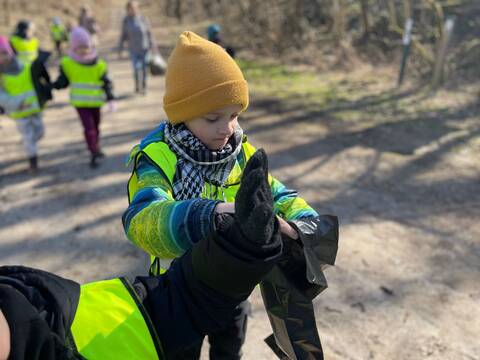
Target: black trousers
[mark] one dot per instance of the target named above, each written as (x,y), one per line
(226,343)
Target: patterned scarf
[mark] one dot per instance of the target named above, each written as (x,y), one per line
(197,164)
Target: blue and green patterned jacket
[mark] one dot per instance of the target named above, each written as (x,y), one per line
(165,227)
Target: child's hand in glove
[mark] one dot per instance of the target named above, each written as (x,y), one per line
(254,201)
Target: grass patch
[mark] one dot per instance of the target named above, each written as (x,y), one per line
(285,83)
(364,96)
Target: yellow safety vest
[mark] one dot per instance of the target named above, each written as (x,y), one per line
(111,323)
(160,154)
(86,85)
(58,32)
(26,49)
(21,85)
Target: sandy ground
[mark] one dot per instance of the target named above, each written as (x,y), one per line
(406,284)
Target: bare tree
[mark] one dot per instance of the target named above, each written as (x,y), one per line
(366,24)
(393,13)
(339,22)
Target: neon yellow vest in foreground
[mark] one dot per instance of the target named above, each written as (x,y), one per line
(111,324)
(21,85)
(26,49)
(160,154)
(86,85)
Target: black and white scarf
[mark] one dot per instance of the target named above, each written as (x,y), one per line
(196,164)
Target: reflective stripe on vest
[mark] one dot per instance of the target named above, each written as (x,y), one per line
(26,49)
(86,85)
(111,323)
(165,159)
(21,85)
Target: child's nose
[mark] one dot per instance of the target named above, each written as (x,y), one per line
(226,129)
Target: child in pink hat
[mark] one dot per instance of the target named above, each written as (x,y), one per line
(24,90)
(90,87)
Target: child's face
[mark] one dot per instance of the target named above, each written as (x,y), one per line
(31,32)
(215,128)
(83,50)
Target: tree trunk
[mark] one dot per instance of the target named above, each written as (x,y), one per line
(393,13)
(338,14)
(407,9)
(438,72)
(178,10)
(366,25)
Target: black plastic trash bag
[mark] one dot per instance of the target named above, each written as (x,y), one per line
(156,64)
(294,282)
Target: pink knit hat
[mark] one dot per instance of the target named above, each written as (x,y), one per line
(79,37)
(5,46)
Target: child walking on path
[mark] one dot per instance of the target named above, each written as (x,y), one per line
(188,170)
(90,87)
(24,43)
(24,90)
(59,34)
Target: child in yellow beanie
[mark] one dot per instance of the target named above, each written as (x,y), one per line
(187,171)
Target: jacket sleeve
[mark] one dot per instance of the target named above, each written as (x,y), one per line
(41,82)
(288,205)
(107,86)
(13,48)
(40,308)
(62,80)
(123,35)
(151,40)
(157,223)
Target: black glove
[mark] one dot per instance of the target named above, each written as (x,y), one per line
(246,245)
(254,202)
(253,231)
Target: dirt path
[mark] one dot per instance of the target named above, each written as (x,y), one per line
(407,194)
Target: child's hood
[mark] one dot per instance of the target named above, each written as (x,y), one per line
(155,135)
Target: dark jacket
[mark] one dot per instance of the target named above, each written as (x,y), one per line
(41,79)
(185,303)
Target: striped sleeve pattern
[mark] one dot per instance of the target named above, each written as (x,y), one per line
(160,225)
(287,204)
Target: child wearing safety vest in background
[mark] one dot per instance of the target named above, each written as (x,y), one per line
(24,90)
(59,34)
(90,87)
(187,171)
(24,43)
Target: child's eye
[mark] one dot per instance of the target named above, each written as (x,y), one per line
(212,120)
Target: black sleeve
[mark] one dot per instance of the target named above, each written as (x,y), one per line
(13,48)
(108,86)
(62,80)
(31,336)
(39,308)
(201,290)
(41,82)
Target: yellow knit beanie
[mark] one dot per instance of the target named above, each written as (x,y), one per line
(201,78)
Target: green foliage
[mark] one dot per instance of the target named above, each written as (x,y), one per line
(283,82)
